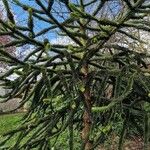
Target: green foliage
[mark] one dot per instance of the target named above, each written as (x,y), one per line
(94,82)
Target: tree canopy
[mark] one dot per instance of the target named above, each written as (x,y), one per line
(85,82)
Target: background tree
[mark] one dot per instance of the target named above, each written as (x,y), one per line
(5,38)
(68,84)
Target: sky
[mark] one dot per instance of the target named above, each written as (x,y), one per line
(39,25)
(21,15)
(21,18)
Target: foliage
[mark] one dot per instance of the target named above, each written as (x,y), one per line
(81,86)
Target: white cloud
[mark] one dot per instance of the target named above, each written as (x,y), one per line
(62,41)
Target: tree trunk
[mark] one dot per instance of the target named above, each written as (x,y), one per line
(87,121)
(147,131)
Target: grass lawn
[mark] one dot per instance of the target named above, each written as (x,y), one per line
(9,121)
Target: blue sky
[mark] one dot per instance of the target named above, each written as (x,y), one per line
(22,16)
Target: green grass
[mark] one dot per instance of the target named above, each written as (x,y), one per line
(9,122)
(12,121)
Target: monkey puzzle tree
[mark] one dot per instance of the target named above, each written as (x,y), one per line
(81,86)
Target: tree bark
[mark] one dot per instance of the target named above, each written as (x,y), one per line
(87,121)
